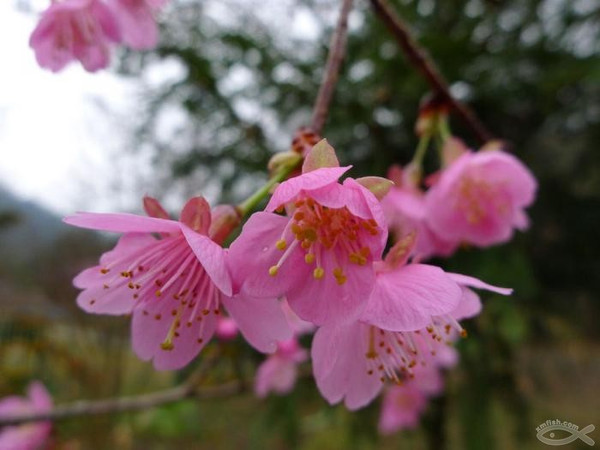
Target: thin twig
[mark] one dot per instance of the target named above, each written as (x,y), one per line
(419,58)
(122,404)
(337,50)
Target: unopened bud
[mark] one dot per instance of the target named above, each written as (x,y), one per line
(283,159)
(304,140)
(225,219)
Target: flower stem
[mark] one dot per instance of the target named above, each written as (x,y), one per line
(444,128)
(422,146)
(248,205)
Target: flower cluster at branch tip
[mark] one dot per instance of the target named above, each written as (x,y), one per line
(29,436)
(314,260)
(85,30)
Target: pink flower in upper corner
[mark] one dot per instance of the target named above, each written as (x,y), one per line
(137,22)
(480,198)
(30,436)
(173,285)
(320,255)
(409,321)
(279,371)
(404,208)
(75,29)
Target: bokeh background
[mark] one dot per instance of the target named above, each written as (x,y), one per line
(226,88)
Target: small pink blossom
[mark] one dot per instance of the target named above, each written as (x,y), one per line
(137,22)
(279,371)
(402,407)
(227,329)
(320,255)
(29,436)
(404,403)
(412,316)
(480,198)
(75,29)
(173,285)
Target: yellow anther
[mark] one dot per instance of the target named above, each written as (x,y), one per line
(104,271)
(306,244)
(273,270)
(309,258)
(281,244)
(296,229)
(319,273)
(158,293)
(463,333)
(167,345)
(310,234)
(341,279)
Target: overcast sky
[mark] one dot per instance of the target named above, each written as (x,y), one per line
(53,136)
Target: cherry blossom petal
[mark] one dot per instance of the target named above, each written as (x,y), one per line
(261,321)
(212,258)
(406,298)
(254,252)
(339,365)
(309,181)
(122,223)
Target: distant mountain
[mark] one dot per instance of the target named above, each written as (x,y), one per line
(25,227)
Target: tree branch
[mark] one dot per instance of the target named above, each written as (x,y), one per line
(188,389)
(420,59)
(337,50)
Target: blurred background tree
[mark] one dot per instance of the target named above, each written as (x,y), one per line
(228,86)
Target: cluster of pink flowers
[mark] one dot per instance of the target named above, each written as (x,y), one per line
(85,30)
(477,199)
(314,260)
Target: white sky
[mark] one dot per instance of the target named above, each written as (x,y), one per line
(53,138)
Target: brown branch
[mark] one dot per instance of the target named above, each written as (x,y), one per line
(419,58)
(337,50)
(122,404)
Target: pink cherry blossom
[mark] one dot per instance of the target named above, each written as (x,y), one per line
(173,285)
(480,198)
(411,317)
(75,29)
(137,22)
(279,371)
(320,255)
(30,436)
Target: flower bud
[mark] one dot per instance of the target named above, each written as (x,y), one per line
(225,218)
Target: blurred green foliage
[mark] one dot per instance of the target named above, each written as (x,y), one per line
(232,82)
